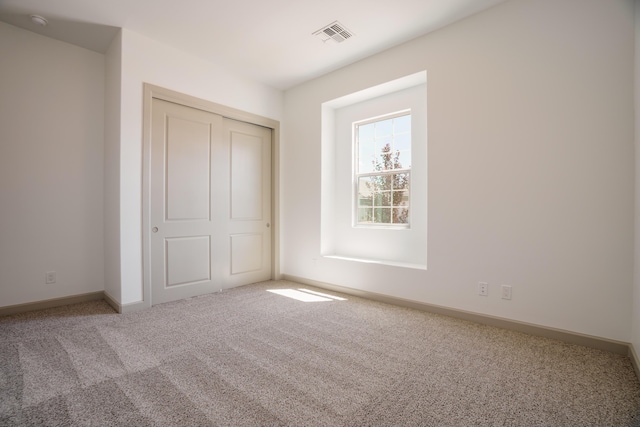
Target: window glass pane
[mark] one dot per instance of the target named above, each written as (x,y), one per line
(402,159)
(386,199)
(365,132)
(365,200)
(402,142)
(365,164)
(383,182)
(402,124)
(370,182)
(389,159)
(382,215)
(365,191)
(366,157)
(401,181)
(365,215)
(384,155)
(400,198)
(383,128)
(401,215)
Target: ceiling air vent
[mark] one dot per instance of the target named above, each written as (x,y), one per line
(334,31)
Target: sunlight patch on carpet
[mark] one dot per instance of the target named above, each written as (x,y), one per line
(304,295)
(323,295)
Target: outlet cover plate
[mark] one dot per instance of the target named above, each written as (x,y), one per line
(50,277)
(483,289)
(506,292)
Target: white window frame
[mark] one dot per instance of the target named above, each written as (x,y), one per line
(356,175)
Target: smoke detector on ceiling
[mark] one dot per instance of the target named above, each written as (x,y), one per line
(38,20)
(334,31)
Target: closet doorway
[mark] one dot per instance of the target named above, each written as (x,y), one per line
(209,193)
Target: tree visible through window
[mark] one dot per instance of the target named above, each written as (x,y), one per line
(383,169)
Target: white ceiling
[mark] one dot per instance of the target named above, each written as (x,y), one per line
(270,40)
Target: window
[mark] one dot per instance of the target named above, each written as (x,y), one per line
(382,171)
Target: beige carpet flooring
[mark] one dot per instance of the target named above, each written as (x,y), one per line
(249,357)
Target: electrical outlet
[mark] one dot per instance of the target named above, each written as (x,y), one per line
(483,289)
(50,277)
(506,292)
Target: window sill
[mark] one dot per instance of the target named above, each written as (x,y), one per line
(379,261)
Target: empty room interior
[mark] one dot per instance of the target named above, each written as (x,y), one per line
(288,166)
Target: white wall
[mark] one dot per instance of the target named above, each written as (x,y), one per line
(147,61)
(635,337)
(51,167)
(530,166)
(113,82)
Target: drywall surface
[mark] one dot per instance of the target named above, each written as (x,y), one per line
(530,166)
(51,167)
(635,338)
(113,82)
(147,61)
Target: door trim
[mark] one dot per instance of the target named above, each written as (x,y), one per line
(157,92)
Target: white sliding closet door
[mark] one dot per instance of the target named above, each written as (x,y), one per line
(210,202)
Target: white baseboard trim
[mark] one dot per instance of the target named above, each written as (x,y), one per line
(612,346)
(133,306)
(125,308)
(635,361)
(50,303)
(112,302)
(73,299)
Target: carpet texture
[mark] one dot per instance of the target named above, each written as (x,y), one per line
(248,357)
